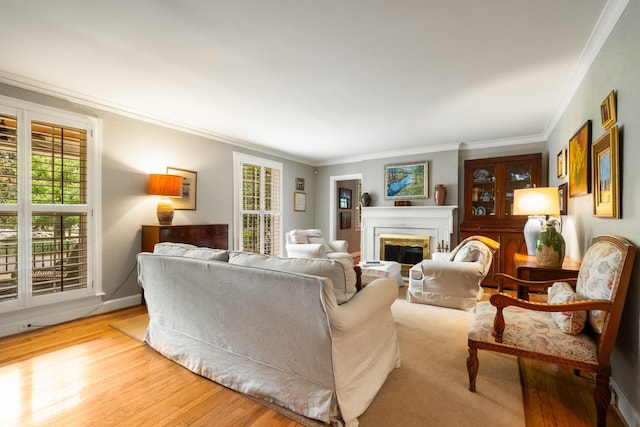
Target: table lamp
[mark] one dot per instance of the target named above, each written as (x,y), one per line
(166,186)
(538,203)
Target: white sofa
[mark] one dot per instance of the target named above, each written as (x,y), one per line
(312,244)
(455,282)
(273,328)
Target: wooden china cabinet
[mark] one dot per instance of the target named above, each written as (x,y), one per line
(488,204)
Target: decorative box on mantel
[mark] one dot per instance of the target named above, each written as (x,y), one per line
(434,221)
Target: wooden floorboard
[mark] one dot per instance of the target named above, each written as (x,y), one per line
(85,373)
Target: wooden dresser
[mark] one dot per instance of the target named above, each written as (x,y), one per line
(208,235)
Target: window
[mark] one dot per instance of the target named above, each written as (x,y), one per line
(45,209)
(258,210)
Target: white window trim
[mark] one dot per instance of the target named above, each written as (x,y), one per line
(26,112)
(238,160)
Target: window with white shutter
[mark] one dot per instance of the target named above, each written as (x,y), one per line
(45,210)
(258,203)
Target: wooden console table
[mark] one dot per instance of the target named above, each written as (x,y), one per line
(209,235)
(527,268)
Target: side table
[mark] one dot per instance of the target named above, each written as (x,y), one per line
(527,268)
(388,269)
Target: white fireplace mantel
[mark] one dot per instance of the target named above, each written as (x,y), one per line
(434,221)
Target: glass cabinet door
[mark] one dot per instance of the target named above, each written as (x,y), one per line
(516,176)
(483,192)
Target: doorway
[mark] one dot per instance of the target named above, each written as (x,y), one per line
(345,209)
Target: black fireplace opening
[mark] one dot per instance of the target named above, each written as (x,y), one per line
(403,254)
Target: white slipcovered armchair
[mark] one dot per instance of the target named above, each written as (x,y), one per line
(312,244)
(456,282)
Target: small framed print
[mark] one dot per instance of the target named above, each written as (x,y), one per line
(299,184)
(299,201)
(563,193)
(189,187)
(562,163)
(608,110)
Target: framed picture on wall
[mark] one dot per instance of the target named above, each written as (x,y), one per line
(561,164)
(606,192)
(608,110)
(344,198)
(299,201)
(189,187)
(345,220)
(580,161)
(406,181)
(563,193)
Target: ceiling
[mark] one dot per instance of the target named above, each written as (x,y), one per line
(322,81)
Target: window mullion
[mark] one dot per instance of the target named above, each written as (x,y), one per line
(24,208)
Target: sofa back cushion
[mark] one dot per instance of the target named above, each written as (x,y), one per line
(190,251)
(171,248)
(340,272)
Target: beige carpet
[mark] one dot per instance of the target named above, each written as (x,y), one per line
(430,388)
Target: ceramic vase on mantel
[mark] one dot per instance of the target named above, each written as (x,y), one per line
(366,199)
(440,194)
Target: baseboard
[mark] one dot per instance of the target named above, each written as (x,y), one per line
(627,411)
(40,317)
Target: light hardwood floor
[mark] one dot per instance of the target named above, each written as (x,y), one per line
(85,373)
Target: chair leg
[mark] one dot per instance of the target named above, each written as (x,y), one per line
(472,367)
(602,397)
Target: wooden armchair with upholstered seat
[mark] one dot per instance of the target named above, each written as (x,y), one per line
(576,329)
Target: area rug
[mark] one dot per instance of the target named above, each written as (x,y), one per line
(431,386)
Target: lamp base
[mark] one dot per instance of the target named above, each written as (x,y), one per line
(165,211)
(531,230)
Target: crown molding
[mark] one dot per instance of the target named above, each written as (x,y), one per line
(606,23)
(100,104)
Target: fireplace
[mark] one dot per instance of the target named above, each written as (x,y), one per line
(436,222)
(407,249)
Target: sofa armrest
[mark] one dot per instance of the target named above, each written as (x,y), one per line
(339,245)
(376,296)
(306,250)
(448,271)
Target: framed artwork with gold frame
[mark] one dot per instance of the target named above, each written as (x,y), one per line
(606,175)
(608,110)
(561,164)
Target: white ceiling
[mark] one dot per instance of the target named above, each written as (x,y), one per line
(319,80)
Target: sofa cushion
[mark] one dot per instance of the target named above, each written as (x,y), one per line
(569,322)
(341,272)
(597,275)
(208,254)
(298,237)
(171,248)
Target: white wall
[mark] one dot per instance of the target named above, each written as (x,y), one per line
(131,150)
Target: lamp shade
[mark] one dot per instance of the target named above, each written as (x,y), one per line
(165,185)
(536,201)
